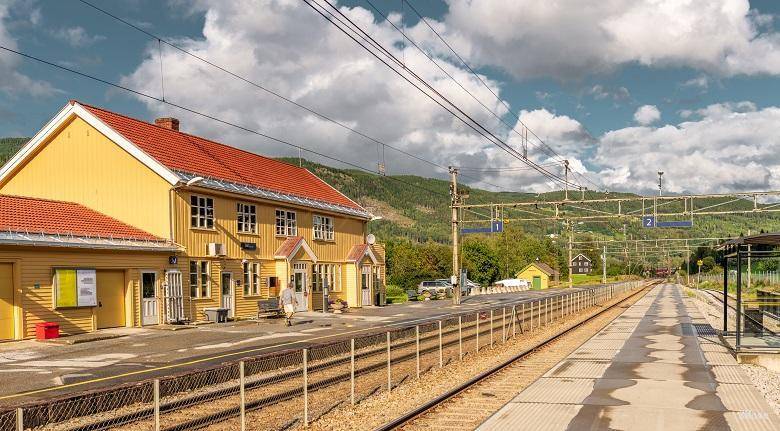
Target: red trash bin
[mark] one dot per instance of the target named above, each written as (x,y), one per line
(47,330)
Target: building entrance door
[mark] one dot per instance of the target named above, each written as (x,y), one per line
(149,306)
(300,271)
(537,282)
(227,294)
(111,299)
(365,285)
(6,302)
(174,297)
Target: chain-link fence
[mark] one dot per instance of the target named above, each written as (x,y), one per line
(289,389)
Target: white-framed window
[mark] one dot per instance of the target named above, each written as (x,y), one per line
(323,228)
(251,278)
(201,212)
(246,214)
(286,223)
(329,273)
(199,279)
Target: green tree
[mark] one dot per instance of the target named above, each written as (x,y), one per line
(481,261)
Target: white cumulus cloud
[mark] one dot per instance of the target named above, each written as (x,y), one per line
(13,82)
(730,147)
(77,36)
(565,39)
(647,114)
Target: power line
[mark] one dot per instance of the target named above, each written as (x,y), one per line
(506,169)
(161,40)
(471,123)
(451,108)
(473,72)
(551,152)
(210,117)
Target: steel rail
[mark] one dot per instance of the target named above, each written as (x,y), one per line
(420,410)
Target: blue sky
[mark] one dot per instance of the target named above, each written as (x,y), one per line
(586,107)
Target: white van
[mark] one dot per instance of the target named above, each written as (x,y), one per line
(517,283)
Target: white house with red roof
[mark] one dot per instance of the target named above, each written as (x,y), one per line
(231,225)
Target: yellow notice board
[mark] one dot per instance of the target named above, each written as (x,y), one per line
(74,288)
(65,288)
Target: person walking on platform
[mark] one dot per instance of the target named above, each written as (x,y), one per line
(288,302)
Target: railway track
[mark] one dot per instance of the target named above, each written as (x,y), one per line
(211,401)
(374,371)
(331,373)
(470,403)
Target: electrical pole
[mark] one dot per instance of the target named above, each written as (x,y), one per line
(604,266)
(566,178)
(455,279)
(748,264)
(571,239)
(688,265)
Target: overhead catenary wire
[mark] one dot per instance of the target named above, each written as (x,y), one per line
(434,95)
(473,72)
(505,169)
(273,93)
(210,117)
(550,152)
(480,129)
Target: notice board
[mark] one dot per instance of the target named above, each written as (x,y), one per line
(75,288)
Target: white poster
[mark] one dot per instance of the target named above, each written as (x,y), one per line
(86,286)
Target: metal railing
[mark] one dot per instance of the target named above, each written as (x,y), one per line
(291,388)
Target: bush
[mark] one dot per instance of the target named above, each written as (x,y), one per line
(395,294)
(395,290)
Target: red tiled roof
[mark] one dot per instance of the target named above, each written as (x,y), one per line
(357,252)
(288,246)
(181,151)
(23,214)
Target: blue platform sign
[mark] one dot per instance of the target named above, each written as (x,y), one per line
(496,226)
(468,230)
(648,221)
(676,223)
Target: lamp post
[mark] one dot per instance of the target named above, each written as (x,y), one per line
(660,182)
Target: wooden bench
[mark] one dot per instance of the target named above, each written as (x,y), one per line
(269,308)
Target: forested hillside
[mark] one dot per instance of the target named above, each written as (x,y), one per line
(414,223)
(9,147)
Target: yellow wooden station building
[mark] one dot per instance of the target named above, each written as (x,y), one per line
(175,225)
(539,275)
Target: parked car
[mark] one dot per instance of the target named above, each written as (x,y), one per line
(433,287)
(468,286)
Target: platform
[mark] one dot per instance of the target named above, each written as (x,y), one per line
(656,367)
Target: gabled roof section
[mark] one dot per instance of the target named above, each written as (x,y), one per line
(183,152)
(67,113)
(359,251)
(34,221)
(575,257)
(545,268)
(291,246)
(178,157)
